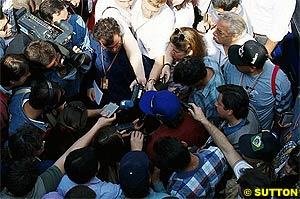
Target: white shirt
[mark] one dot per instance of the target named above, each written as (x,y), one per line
(270,17)
(101,11)
(185,16)
(239,167)
(152,34)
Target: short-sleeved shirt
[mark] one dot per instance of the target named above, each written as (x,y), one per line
(102,189)
(206,97)
(18,118)
(46,182)
(259,89)
(200,182)
(239,167)
(153,34)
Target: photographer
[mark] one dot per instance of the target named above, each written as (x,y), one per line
(52,66)
(54,11)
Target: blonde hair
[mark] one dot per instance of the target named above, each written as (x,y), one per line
(186,39)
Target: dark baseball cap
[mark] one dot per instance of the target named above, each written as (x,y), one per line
(251,53)
(262,146)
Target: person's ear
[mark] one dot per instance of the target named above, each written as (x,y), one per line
(184,143)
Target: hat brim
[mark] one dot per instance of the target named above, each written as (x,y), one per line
(233,56)
(245,146)
(145,102)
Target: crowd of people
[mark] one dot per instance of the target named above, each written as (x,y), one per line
(204,109)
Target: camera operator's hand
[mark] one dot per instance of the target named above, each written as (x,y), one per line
(91,94)
(76,49)
(136,141)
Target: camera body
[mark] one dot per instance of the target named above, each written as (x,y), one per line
(59,36)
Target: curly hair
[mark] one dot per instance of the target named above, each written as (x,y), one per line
(186,39)
(106,29)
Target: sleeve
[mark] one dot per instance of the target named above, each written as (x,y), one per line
(239,167)
(51,178)
(283,96)
(281,14)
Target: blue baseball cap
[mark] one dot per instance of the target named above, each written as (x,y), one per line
(162,104)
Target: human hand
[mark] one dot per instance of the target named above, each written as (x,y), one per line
(91,94)
(136,141)
(104,121)
(165,73)
(197,113)
(150,84)
(76,49)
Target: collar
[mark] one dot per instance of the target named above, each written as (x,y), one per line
(228,130)
(7,92)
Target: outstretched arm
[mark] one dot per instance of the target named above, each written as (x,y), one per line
(84,140)
(219,138)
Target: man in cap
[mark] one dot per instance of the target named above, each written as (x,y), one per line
(165,106)
(134,176)
(268,87)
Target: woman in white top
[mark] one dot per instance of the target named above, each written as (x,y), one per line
(183,11)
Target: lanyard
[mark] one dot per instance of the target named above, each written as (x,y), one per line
(102,59)
(253,85)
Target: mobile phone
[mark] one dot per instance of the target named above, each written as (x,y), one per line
(111,108)
(286,118)
(126,127)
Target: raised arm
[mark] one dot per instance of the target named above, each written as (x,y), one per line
(219,138)
(84,140)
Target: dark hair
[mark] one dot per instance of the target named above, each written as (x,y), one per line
(142,191)
(21,177)
(81,165)
(13,67)
(189,71)
(80,191)
(74,116)
(50,7)
(44,97)
(170,153)
(235,97)
(173,124)
(27,142)
(106,29)
(108,144)
(226,5)
(41,52)
(252,179)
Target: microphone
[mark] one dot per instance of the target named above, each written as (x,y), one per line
(126,104)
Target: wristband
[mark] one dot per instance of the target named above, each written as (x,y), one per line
(167,64)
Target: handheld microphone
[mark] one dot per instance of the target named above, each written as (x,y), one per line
(126,104)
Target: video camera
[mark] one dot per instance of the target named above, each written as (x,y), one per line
(59,36)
